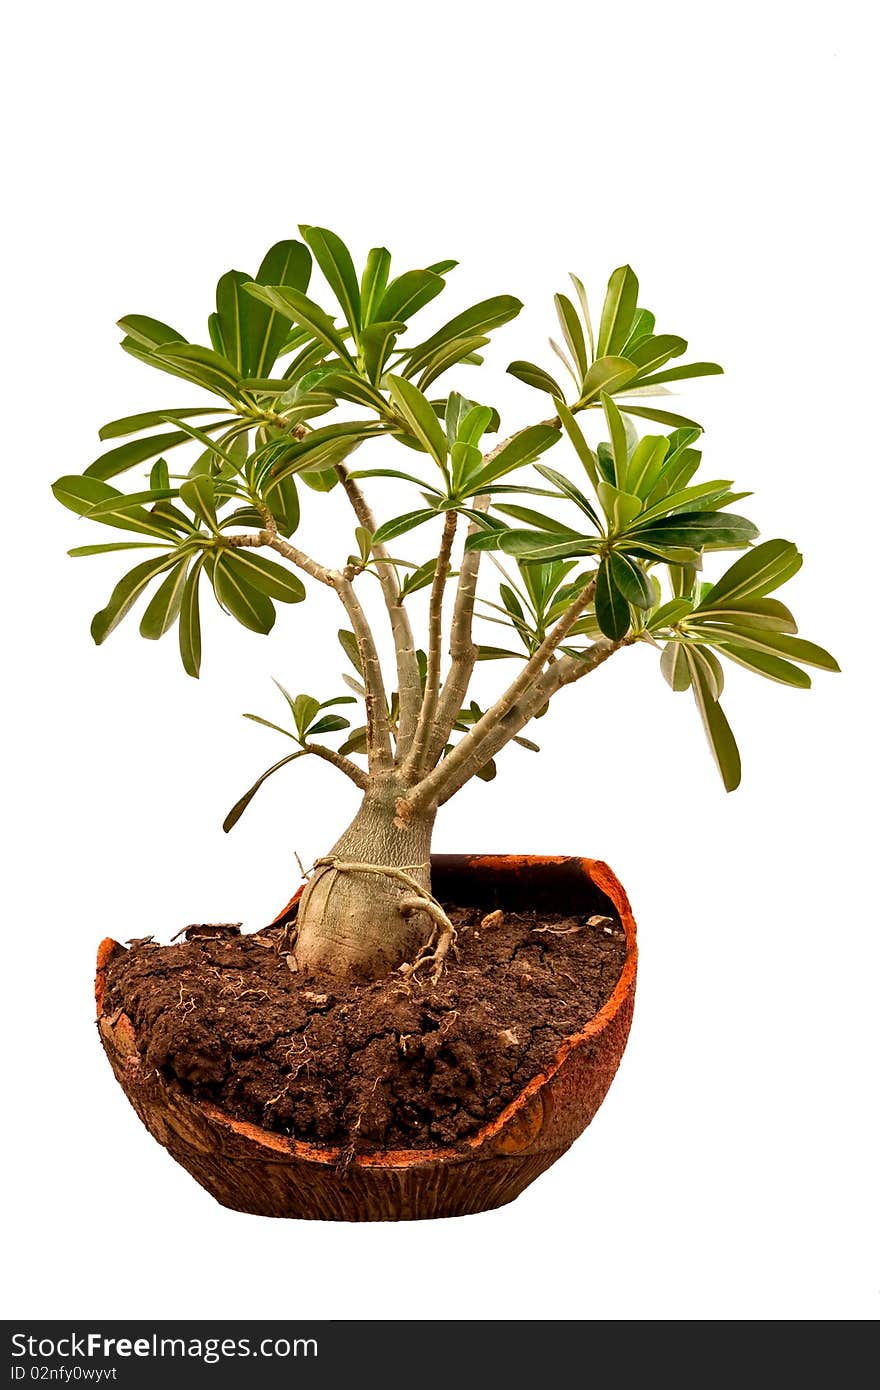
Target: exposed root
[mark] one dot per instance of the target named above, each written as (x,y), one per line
(442,938)
(606,923)
(420,900)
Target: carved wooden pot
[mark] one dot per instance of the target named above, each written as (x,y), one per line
(254,1170)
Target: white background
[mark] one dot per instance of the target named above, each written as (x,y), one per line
(729,156)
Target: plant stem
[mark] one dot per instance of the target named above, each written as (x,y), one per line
(559,674)
(408,682)
(434,786)
(379,751)
(414,759)
(462,648)
(357,774)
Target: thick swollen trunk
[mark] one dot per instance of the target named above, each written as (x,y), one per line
(367,922)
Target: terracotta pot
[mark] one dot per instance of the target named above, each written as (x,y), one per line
(253,1170)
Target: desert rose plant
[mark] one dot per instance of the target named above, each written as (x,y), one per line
(587,555)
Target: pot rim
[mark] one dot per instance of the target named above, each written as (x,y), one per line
(604,879)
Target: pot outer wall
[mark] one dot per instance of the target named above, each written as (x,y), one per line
(253,1170)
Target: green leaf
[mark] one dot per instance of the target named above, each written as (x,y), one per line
(132,424)
(690,369)
(334,258)
(239,597)
(149,333)
(320,449)
(320,480)
(645,465)
(348,642)
(537,377)
(662,417)
(650,352)
(446,356)
(539,520)
(758,612)
(401,524)
(419,417)
(243,802)
(328,724)
(774,643)
(115,545)
(619,447)
(677,502)
(607,374)
(585,310)
(377,343)
(465,421)
(356,741)
(270,578)
(267,724)
(466,460)
(573,333)
(479,319)
(201,365)
(125,456)
(283,502)
(347,387)
(573,493)
(765,664)
(160,480)
(305,708)
(419,578)
(80,493)
(292,304)
(621,300)
(612,609)
(488,771)
(287,263)
(126,594)
(674,666)
(522,448)
(763,568)
(127,502)
(668,614)
(631,581)
(711,668)
(698,530)
(163,608)
(718,731)
(621,508)
(374,282)
(540,546)
(581,447)
(189,624)
(233,320)
(199,495)
(409,293)
(485,653)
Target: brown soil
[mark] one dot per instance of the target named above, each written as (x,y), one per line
(393,1063)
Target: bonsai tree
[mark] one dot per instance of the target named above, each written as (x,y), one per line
(587,555)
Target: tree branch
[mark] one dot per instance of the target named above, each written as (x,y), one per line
(462,648)
(561,673)
(408,682)
(379,751)
(376,701)
(357,774)
(414,759)
(432,788)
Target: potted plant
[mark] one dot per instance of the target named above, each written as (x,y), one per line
(416,1034)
